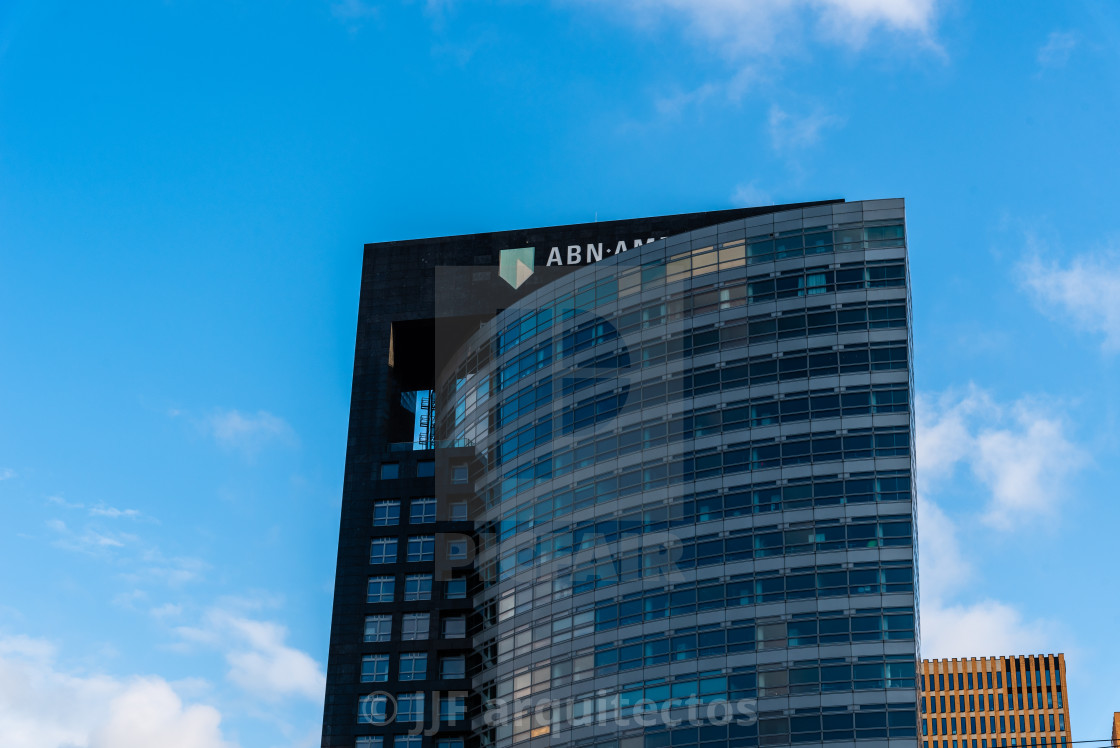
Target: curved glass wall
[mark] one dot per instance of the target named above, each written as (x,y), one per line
(694,473)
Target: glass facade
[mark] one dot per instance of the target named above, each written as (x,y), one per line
(695,477)
(666,498)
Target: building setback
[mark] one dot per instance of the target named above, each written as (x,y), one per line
(995,702)
(662,471)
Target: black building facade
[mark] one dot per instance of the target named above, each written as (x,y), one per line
(631,484)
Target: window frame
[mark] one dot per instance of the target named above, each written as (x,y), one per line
(417,587)
(390,519)
(414,618)
(424,517)
(417,666)
(445,625)
(382,581)
(386,556)
(379,618)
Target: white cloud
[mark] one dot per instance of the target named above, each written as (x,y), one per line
(64,503)
(42,706)
(153,566)
(729,91)
(1020,452)
(951,628)
(129,599)
(1056,51)
(260,662)
(789,132)
(944,569)
(140,562)
(1020,457)
(249,433)
(101,509)
(111,512)
(263,664)
(89,541)
(988,628)
(750,195)
(167,610)
(1085,292)
(773,26)
(7,473)
(678,101)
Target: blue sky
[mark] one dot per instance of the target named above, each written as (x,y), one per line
(185,188)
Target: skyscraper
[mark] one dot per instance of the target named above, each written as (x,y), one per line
(664,495)
(995,702)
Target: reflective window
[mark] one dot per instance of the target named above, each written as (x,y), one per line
(383,551)
(459,474)
(410,707)
(421,548)
(455,627)
(453,667)
(417,587)
(413,666)
(379,628)
(380,590)
(375,668)
(422,511)
(373,709)
(456,589)
(452,708)
(386,513)
(414,626)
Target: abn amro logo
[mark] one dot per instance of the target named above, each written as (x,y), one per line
(516,265)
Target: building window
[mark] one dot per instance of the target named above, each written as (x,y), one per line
(452,668)
(379,628)
(456,589)
(418,587)
(458,511)
(449,743)
(373,709)
(386,513)
(414,626)
(452,709)
(370,741)
(389,470)
(410,707)
(422,511)
(459,474)
(455,627)
(421,548)
(457,550)
(407,741)
(413,666)
(425,469)
(375,668)
(380,590)
(383,551)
